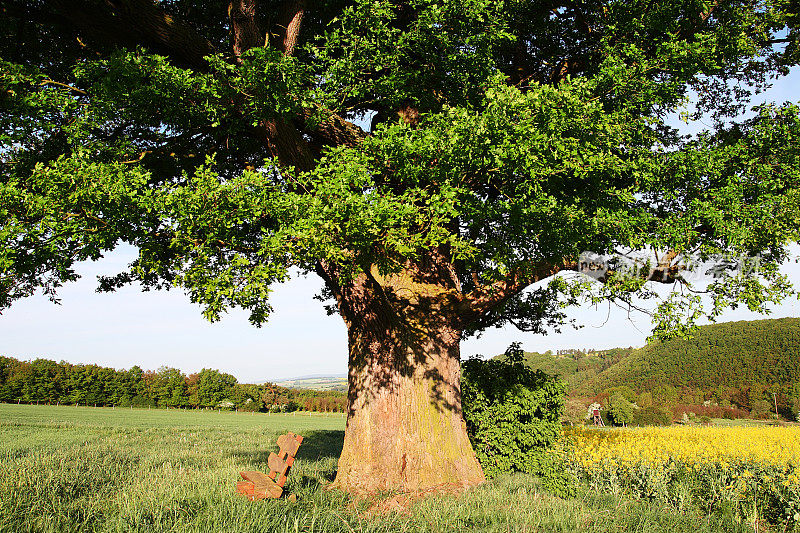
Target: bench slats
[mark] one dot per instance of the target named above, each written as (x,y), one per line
(257,485)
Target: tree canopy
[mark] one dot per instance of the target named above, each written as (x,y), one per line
(430,160)
(510,135)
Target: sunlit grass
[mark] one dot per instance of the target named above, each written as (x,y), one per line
(86,469)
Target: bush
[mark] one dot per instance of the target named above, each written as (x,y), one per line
(288,407)
(513,417)
(651,416)
(249,405)
(619,409)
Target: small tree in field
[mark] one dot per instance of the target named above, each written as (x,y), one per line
(430,161)
(619,409)
(574,411)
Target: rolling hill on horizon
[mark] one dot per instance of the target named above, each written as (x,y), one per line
(733,355)
(317,382)
(740,361)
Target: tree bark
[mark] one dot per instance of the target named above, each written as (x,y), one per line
(405,429)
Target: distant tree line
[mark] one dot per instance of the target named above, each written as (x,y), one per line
(46,381)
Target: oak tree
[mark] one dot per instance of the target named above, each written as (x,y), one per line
(444,166)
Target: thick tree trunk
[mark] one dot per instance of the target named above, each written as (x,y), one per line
(405,429)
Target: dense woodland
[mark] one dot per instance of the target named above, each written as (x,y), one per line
(46,381)
(729,369)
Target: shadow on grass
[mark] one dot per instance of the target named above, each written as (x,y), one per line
(319,444)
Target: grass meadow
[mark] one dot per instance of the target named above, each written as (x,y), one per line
(101,469)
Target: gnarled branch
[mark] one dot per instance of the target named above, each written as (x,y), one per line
(485,298)
(244,27)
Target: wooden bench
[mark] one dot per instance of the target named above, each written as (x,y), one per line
(259,486)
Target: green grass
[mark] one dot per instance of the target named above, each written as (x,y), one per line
(87,469)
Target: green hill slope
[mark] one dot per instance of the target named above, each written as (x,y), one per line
(750,365)
(733,355)
(578,368)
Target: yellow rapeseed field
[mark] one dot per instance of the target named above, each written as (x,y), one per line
(754,471)
(774,446)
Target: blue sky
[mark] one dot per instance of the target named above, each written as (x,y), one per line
(152,329)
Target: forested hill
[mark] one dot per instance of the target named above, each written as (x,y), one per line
(732,355)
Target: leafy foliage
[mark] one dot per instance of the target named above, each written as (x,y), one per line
(513,417)
(651,416)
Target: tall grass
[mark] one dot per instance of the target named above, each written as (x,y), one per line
(86,469)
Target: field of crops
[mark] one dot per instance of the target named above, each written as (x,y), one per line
(100,469)
(752,473)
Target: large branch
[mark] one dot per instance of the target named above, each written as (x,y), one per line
(487,297)
(286,29)
(665,271)
(287,144)
(244,26)
(333,130)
